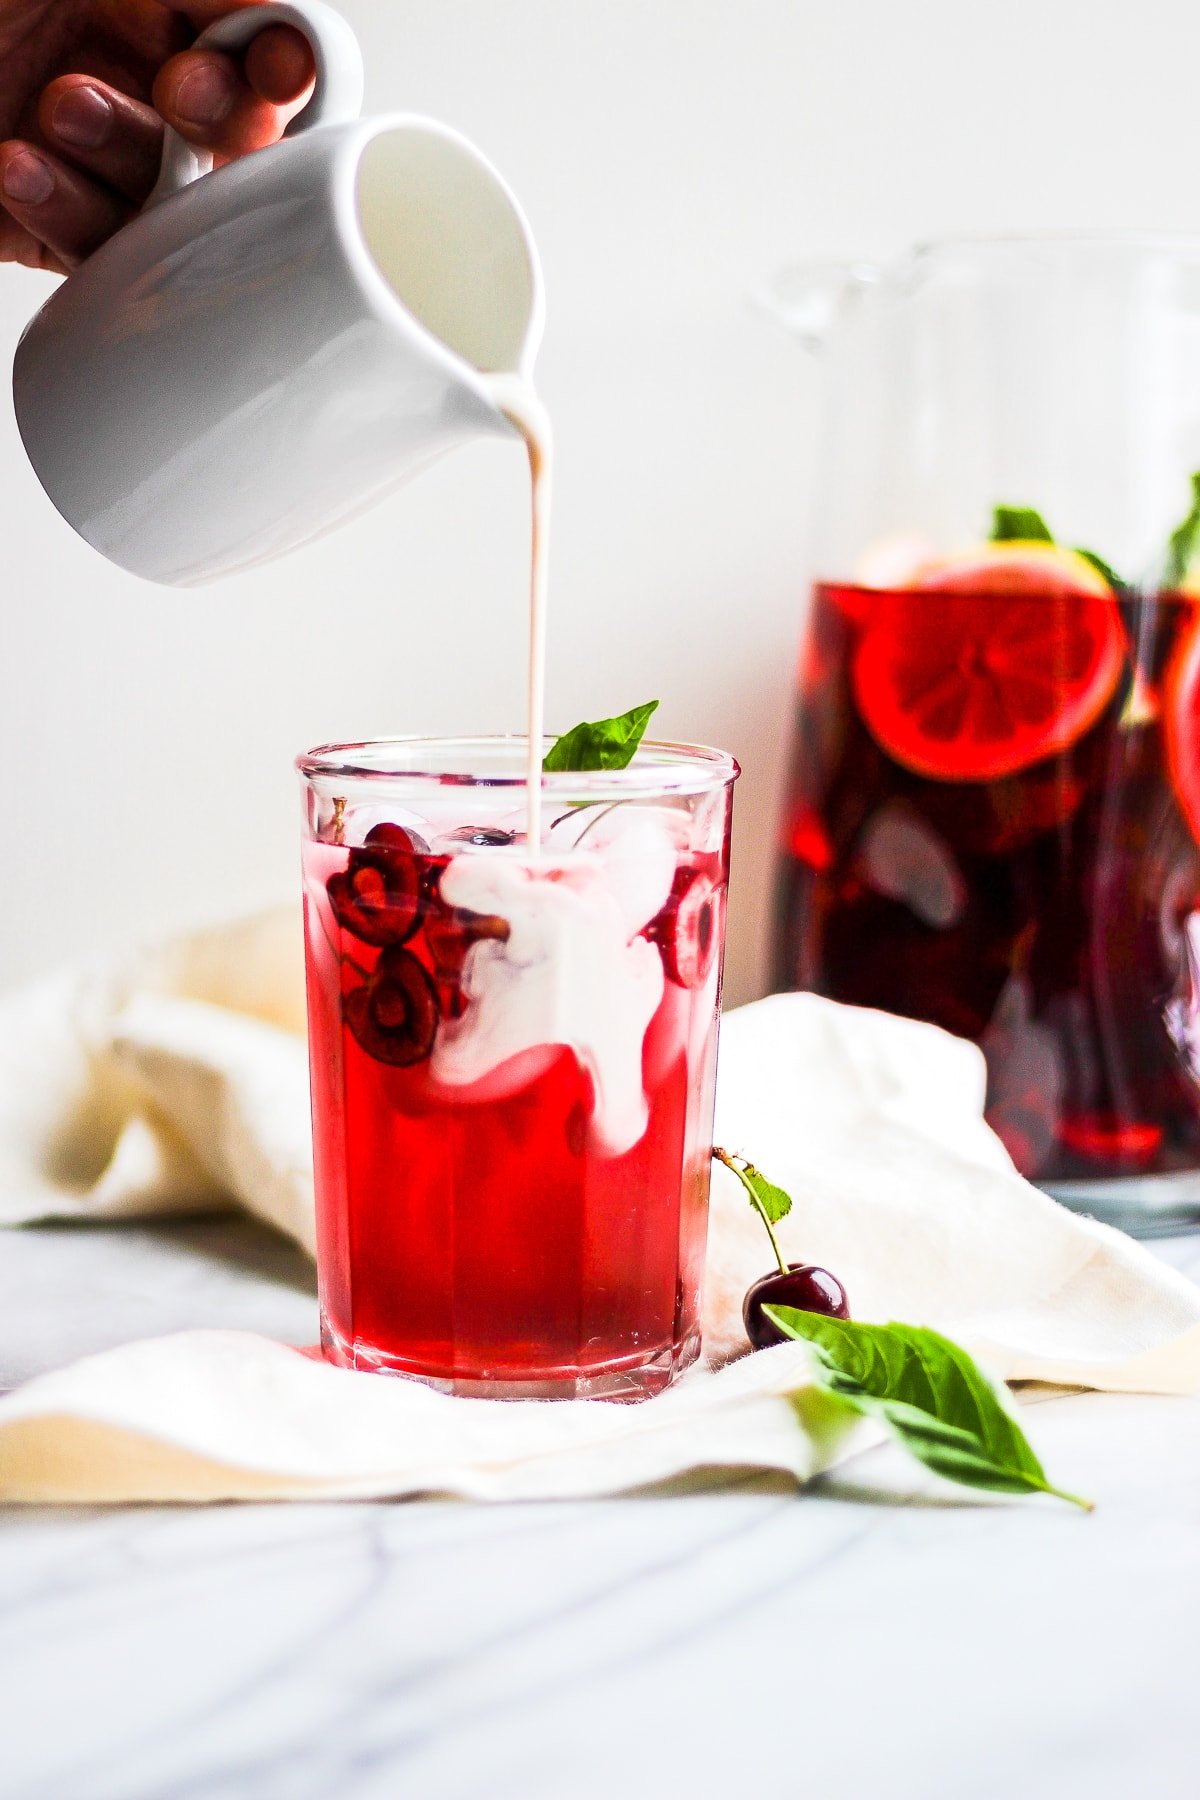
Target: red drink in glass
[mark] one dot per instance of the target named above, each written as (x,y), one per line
(528,1218)
(992,826)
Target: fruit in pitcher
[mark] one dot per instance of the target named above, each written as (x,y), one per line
(804,1286)
(377,897)
(1107,1137)
(989,662)
(394,1015)
(1181,710)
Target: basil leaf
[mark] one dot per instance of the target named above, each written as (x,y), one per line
(931,1394)
(1009,522)
(602,744)
(1102,568)
(765,1197)
(1184,541)
(769,1202)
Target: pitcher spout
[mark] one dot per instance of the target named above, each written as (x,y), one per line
(449,242)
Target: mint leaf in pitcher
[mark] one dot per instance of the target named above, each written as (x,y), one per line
(1019,522)
(1184,542)
(601,744)
(934,1398)
(1011,524)
(1102,568)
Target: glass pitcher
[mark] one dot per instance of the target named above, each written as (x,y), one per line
(993,815)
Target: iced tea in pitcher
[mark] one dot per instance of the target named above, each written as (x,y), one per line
(993,826)
(993,815)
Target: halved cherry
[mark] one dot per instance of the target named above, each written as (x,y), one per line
(481,837)
(449,934)
(394,1016)
(687,928)
(988,663)
(1181,709)
(377,897)
(401,838)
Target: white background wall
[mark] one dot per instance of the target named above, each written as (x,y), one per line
(669,153)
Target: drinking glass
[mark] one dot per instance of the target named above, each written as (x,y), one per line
(994,804)
(513,1055)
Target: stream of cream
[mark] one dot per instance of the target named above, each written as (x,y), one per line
(515,398)
(574,968)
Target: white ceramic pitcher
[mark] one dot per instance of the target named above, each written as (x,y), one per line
(270,346)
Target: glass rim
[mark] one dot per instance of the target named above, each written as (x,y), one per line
(660,766)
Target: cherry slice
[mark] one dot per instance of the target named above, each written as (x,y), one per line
(396,837)
(377,897)
(482,837)
(449,934)
(395,1016)
(989,663)
(687,929)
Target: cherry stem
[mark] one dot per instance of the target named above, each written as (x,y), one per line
(737,1165)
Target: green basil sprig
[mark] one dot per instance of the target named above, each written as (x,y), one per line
(933,1397)
(1184,541)
(600,744)
(1025,523)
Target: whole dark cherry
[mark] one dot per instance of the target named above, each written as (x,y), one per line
(395,1014)
(804,1286)
(377,898)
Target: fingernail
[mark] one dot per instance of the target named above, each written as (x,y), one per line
(204,96)
(27,179)
(83,117)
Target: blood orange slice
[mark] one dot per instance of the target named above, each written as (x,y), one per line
(987,663)
(1181,710)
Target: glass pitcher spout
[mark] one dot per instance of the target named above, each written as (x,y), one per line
(808,298)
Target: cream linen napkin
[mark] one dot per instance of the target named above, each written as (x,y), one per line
(179,1081)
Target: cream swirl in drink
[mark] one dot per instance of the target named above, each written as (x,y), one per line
(515,398)
(573,969)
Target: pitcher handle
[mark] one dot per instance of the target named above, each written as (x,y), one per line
(806,298)
(337,94)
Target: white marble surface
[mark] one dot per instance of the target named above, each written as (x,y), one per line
(877,1637)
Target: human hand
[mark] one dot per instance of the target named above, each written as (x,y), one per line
(85,86)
